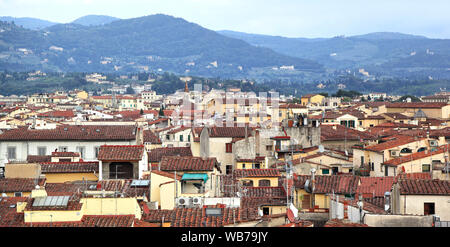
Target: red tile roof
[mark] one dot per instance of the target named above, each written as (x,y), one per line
(58,114)
(340,184)
(8,215)
(19,184)
(155,155)
(416,105)
(65,154)
(135,114)
(150,137)
(186,163)
(38,158)
(196,217)
(339,132)
(182,128)
(69,167)
(63,189)
(243,173)
(417,156)
(292,106)
(399,141)
(374,186)
(72,132)
(424,187)
(121,152)
(228,132)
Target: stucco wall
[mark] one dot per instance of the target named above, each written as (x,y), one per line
(375,220)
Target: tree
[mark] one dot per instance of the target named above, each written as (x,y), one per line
(161,111)
(130,90)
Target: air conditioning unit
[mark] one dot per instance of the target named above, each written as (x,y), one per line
(184,201)
(197,201)
(394,153)
(433,143)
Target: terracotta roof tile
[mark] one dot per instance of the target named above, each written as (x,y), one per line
(228,131)
(38,158)
(150,137)
(424,187)
(19,184)
(65,154)
(69,167)
(121,152)
(340,184)
(375,186)
(155,155)
(417,155)
(415,105)
(400,140)
(186,163)
(72,132)
(256,173)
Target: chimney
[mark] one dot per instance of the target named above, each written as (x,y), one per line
(246,132)
(139,135)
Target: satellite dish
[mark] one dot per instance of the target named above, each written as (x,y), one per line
(321,149)
(308,186)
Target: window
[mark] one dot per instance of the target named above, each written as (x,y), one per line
(17,194)
(428,208)
(96,150)
(386,171)
(229,147)
(266,211)
(243,166)
(351,123)
(167,137)
(189,138)
(372,166)
(325,171)
(264,183)
(62,149)
(81,150)
(11,153)
(229,169)
(269,147)
(406,150)
(42,151)
(360,122)
(181,138)
(256,166)
(248,183)
(335,170)
(425,168)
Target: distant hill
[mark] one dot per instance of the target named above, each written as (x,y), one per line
(378,51)
(95,20)
(155,42)
(29,23)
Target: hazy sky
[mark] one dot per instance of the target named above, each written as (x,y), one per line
(291,18)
